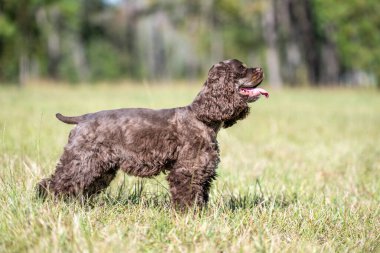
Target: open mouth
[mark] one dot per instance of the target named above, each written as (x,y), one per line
(252,91)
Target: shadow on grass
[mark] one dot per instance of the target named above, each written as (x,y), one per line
(249,201)
(257,200)
(136,196)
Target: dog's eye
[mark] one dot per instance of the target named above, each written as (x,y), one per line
(241,67)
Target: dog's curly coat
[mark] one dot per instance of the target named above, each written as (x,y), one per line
(144,142)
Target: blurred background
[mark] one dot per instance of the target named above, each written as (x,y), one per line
(297,42)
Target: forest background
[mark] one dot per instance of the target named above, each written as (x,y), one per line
(298,42)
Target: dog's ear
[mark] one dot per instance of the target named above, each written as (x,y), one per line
(220,91)
(219,100)
(216,72)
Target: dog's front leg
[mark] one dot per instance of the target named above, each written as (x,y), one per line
(190,185)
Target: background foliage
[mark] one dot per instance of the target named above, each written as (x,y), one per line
(297,41)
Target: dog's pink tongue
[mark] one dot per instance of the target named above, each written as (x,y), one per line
(258,92)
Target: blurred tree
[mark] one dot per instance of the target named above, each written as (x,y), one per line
(296,41)
(271,38)
(19,38)
(353,27)
(59,24)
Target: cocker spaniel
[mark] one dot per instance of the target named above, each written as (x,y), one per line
(144,142)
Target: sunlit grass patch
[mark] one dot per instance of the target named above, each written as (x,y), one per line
(300,174)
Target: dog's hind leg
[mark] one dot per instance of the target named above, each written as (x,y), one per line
(80,174)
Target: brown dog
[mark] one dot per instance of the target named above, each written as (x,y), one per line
(145,142)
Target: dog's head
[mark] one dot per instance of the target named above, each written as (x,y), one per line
(230,86)
(244,80)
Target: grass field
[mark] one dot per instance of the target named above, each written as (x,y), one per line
(300,174)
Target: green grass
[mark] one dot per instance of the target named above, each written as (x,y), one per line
(300,174)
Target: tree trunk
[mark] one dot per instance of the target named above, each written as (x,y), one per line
(330,64)
(24,67)
(292,63)
(304,25)
(79,59)
(270,37)
(48,19)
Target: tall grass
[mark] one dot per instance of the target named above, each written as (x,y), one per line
(300,174)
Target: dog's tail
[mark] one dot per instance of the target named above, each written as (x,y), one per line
(69,120)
